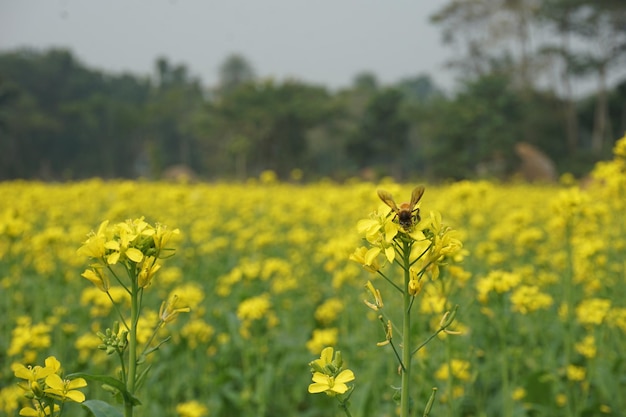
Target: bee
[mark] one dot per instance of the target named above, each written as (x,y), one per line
(407,213)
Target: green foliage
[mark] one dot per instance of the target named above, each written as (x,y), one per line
(62,120)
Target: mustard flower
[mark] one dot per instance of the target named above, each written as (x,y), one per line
(98,277)
(94,246)
(619,150)
(331,385)
(528,298)
(254,308)
(367,257)
(191,409)
(415,283)
(593,311)
(27,335)
(329,310)
(458,367)
(36,373)
(576,373)
(148,268)
(197,333)
(321,338)
(587,347)
(328,375)
(518,394)
(327,357)
(162,236)
(65,389)
(378,299)
(380,232)
(497,281)
(170,310)
(38,411)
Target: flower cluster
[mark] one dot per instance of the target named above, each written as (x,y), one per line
(329,375)
(135,244)
(45,387)
(431,243)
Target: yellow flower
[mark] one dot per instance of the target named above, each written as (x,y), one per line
(98,277)
(191,409)
(33,374)
(458,367)
(149,267)
(169,310)
(367,257)
(94,245)
(65,388)
(321,338)
(326,358)
(329,310)
(587,347)
(254,308)
(38,411)
(162,236)
(497,281)
(27,335)
(528,298)
(331,385)
(576,373)
(197,333)
(378,299)
(328,375)
(518,394)
(619,150)
(593,311)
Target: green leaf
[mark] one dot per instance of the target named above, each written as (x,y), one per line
(101,409)
(109,380)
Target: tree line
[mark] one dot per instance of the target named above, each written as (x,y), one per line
(60,120)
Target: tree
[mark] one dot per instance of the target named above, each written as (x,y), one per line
(233,72)
(479,127)
(266,124)
(381,137)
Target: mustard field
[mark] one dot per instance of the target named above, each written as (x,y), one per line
(266,272)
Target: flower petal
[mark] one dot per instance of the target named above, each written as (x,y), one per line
(344,376)
(134,254)
(317,388)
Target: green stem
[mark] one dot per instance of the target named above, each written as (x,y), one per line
(568,319)
(507,409)
(345,409)
(132,344)
(406,334)
(449,382)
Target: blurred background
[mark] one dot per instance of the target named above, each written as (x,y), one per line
(213,90)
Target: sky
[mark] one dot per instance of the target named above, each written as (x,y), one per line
(324,42)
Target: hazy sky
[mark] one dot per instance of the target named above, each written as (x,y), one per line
(318,41)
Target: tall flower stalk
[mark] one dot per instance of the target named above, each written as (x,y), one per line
(418,247)
(128,254)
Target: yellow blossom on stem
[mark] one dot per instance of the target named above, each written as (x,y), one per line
(98,277)
(326,358)
(35,373)
(94,245)
(170,310)
(149,267)
(367,257)
(65,389)
(328,375)
(162,236)
(331,385)
(576,373)
(38,411)
(378,299)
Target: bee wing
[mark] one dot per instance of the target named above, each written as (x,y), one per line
(388,199)
(416,195)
